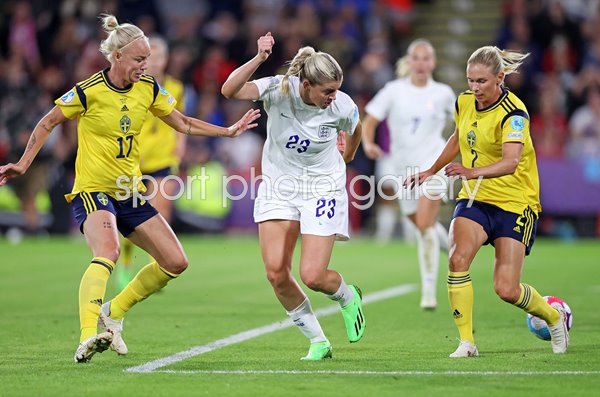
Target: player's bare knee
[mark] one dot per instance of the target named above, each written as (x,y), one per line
(109,251)
(507,292)
(278,277)
(176,265)
(313,280)
(421,225)
(458,262)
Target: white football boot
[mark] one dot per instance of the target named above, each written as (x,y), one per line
(115,327)
(92,345)
(559,332)
(465,349)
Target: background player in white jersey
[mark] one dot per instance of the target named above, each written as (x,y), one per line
(417,109)
(303,191)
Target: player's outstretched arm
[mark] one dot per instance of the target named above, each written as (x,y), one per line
(450,151)
(511,156)
(237,86)
(38,136)
(193,126)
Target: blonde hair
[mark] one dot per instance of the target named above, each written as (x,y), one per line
(497,60)
(402,67)
(316,67)
(119,36)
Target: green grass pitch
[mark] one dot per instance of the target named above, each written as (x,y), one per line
(224,292)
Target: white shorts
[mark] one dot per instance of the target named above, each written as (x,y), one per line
(317,216)
(384,168)
(436,187)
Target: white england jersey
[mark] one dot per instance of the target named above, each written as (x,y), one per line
(300,154)
(416,117)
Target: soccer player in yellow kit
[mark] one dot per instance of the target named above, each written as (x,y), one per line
(499,203)
(111,107)
(161,150)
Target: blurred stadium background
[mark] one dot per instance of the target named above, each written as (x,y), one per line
(46,46)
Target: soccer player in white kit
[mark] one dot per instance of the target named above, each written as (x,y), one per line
(417,109)
(303,191)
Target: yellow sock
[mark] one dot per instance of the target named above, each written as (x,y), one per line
(532,302)
(150,279)
(91,294)
(127,248)
(460,295)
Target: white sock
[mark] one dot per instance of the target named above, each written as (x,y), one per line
(343,295)
(409,230)
(442,234)
(428,247)
(305,319)
(386,221)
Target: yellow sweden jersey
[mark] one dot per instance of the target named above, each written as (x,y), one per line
(158,140)
(109,123)
(481,135)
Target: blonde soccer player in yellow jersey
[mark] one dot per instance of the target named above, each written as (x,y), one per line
(499,203)
(161,150)
(110,108)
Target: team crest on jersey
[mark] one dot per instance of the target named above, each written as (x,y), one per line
(68,97)
(325,131)
(163,90)
(103,199)
(125,124)
(471,138)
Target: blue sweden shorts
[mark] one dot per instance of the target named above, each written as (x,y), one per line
(161,173)
(499,223)
(128,216)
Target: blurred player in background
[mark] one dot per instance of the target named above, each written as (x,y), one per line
(304,187)
(110,107)
(417,109)
(500,200)
(161,150)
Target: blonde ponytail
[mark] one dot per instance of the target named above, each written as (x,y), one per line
(498,60)
(316,67)
(119,36)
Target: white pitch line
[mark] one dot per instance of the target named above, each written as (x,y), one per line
(382,373)
(267,329)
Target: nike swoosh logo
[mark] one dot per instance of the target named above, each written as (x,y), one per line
(286,116)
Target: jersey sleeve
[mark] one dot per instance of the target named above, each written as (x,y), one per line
(164,102)
(267,87)
(379,105)
(73,103)
(515,126)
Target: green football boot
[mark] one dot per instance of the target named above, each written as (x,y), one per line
(353,316)
(318,351)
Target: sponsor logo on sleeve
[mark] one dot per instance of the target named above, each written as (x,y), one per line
(515,135)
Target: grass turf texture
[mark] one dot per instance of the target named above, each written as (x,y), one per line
(225,292)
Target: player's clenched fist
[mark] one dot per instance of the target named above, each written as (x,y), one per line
(265,45)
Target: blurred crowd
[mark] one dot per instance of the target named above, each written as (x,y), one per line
(560,82)
(46,46)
